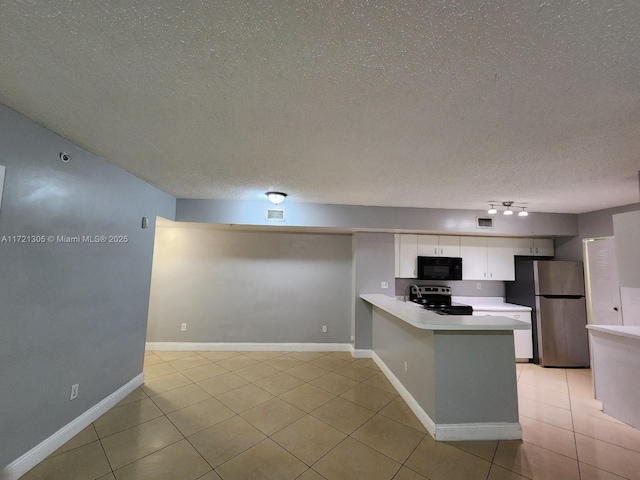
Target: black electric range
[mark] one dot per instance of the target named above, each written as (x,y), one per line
(438,300)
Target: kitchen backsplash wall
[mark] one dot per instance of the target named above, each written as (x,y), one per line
(460,288)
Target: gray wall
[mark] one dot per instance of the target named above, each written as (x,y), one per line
(590,225)
(443,366)
(250,286)
(374,263)
(69,313)
(461,288)
(358,218)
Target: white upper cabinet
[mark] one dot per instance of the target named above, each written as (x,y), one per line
(522,246)
(438,246)
(483,258)
(500,262)
(473,251)
(449,246)
(487,258)
(428,245)
(543,247)
(540,247)
(407,264)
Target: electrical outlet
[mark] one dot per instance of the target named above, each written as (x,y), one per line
(384,284)
(406,366)
(324,329)
(479,285)
(74,391)
(183,327)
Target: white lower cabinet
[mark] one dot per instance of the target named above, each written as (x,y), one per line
(522,339)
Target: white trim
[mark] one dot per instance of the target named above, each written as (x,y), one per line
(2,170)
(360,353)
(248,347)
(37,454)
(448,432)
(478,431)
(415,407)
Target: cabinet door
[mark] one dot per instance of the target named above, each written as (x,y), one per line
(396,252)
(448,246)
(408,255)
(473,251)
(428,245)
(500,264)
(522,339)
(543,247)
(523,246)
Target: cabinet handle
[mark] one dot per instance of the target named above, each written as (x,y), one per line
(615,308)
(485,274)
(441,251)
(435,251)
(536,250)
(530,249)
(490,275)
(516,316)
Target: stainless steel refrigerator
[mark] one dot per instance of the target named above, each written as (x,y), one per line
(555,292)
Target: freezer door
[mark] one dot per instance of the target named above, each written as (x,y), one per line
(562,333)
(558,278)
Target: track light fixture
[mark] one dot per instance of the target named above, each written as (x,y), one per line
(492,210)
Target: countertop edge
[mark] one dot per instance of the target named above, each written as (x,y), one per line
(425,320)
(629,331)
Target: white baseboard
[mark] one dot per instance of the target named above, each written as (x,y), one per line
(415,407)
(449,432)
(360,352)
(37,454)
(248,347)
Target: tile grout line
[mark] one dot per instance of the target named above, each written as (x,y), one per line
(350,435)
(309,414)
(305,362)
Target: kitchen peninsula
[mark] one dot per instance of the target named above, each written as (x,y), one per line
(456,372)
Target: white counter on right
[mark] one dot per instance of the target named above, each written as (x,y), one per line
(491,306)
(616,370)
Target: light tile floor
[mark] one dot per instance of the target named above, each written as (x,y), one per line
(318,415)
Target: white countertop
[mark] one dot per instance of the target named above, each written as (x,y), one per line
(490,304)
(630,331)
(415,315)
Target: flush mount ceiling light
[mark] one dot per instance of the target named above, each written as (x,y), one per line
(507,211)
(276,197)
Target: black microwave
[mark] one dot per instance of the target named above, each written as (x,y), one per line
(439,268)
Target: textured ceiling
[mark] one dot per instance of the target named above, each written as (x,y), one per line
(439,104)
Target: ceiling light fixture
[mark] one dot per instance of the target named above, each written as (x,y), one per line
(493,210)
(276,197)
